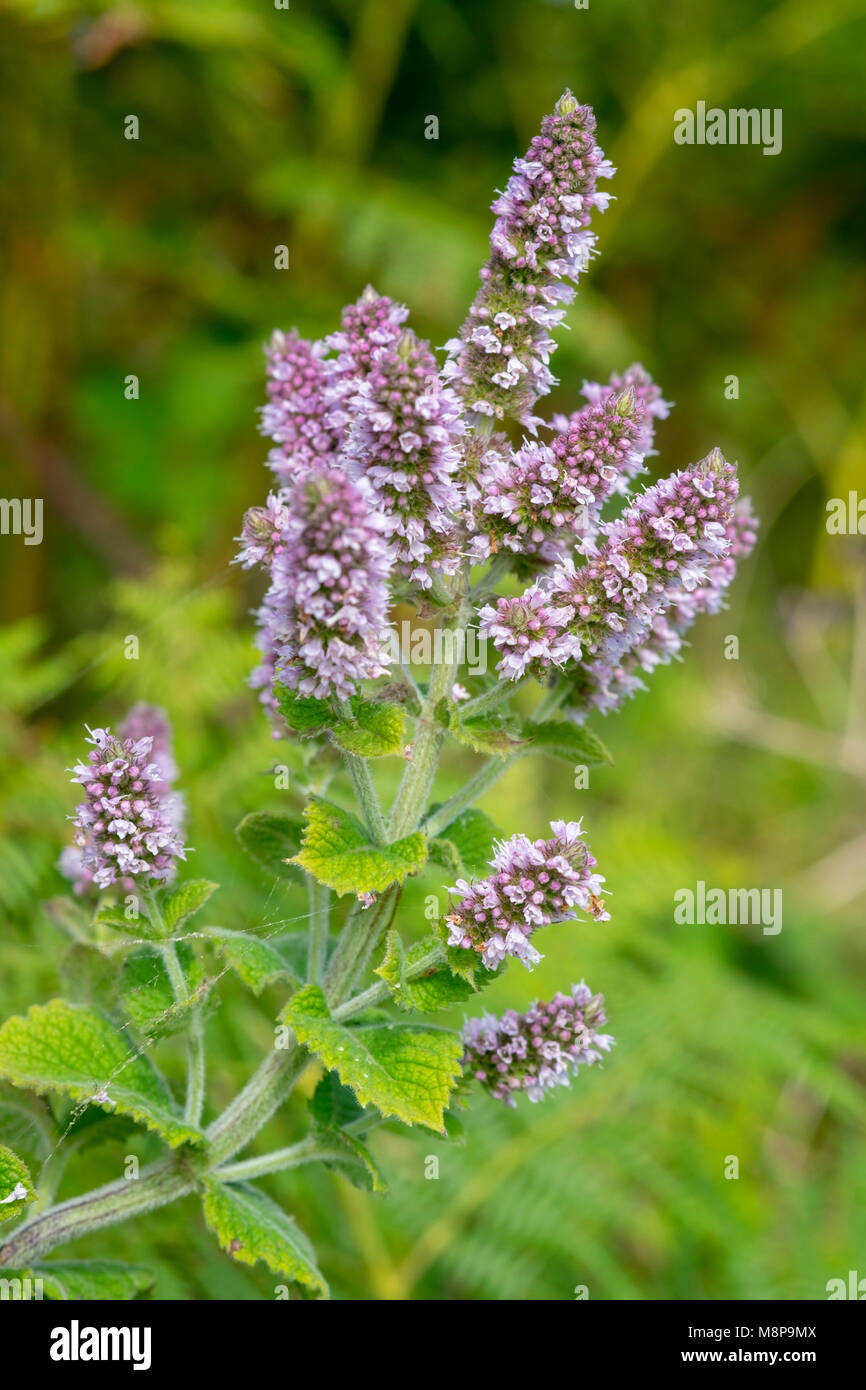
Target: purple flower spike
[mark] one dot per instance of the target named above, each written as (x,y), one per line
(528,633)
(647,394)
(128,825)
(403,439)
(662,546)
(535,883)
(606,686)
(538,1050)
(547,498)
(499,364)
(373,323)
(323,618)
(295,417)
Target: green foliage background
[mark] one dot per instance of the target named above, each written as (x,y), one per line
(306,127)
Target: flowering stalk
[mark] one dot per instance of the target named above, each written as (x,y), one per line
(546,499)
(538,1050)
(499,363)
(390,483)
(536,882)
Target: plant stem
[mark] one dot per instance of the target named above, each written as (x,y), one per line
(156,1185)
(362,930)
(311,1149)
(551,702)
(195,1055)
(378,993)
(362,781)
(498,570)
(173,970)
(484,779)
(500,692)
(196,1073)
(429,734)
(319,897)
(252,1107)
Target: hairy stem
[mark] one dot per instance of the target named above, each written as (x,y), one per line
(156,1185)
(195,1053)
(488,581)
(484,779)
(551,702)
(358,940)
(362,781)
(312,1149)
(497,695)
(252,1107)
(380,992)
(319,898)
(196,1072)
(418,778)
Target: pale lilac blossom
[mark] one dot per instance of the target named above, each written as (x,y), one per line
(535,882)
(541,238)
(533,1052)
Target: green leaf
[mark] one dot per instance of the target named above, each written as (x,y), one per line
(487,733)
(472,834)
(445,853)
(182,901)
(436,989)
(570,742)
(302,713)
(100,1280)
(140,926)
(61,1047)
(377,730)
(16,1185)
(256,962)
(27,1122)
(146,991)
(338,852)
(271,840)
(468,965)
(345,1154)
(251,1227)
(403,1070)
(332,1104)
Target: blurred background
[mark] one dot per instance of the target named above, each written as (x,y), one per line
(155,257)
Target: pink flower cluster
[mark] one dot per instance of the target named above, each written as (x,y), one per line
(661,547)
(541,238)
(129,825)
(547,498)
(536,882)
(538,1050)
(403,437)
(323,617)
(606,686)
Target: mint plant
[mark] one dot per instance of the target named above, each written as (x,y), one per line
(395,479)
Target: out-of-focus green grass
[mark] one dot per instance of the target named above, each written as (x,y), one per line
(306,127)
